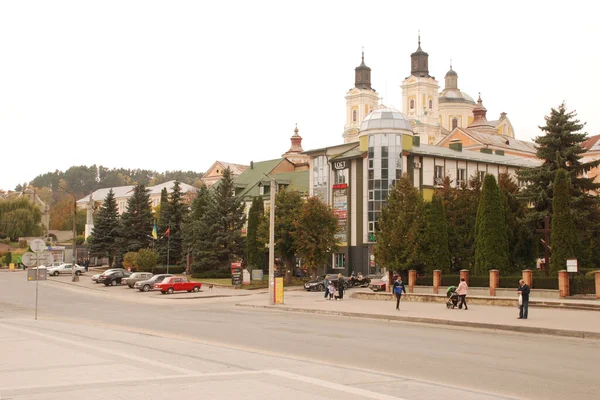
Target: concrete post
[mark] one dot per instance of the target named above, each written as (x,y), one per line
(412,279)
(390,281)
(563,284)
(464,273)
(597,275)
(494,281)
(528,277)
(437,280)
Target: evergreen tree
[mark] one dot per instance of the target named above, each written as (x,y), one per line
(491,243)
(401,225)
(106,229)
(562,236)
(220,240)
(561,147)
(136,223)
(314,233)
(191,224)
(162,224)
(255,247)
(177,213)
(437,253)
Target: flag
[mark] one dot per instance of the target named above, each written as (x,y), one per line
(154,234)
(167,232)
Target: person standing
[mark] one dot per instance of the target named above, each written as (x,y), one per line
(398,289)
(340,283)
(331,290)
(462,293)
(326,285)
(523,291)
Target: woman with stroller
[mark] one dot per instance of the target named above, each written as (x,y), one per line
(462,293)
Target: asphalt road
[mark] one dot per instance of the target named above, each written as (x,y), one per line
(426,362)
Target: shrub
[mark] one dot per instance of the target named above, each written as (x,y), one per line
(146,259)
(212,274)
(23,244)
(5,241)
(129,259)
(8,258)
(79,239)
(173,269)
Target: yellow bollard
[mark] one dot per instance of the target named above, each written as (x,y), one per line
(11,266)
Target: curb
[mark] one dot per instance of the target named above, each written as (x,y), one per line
(434,321)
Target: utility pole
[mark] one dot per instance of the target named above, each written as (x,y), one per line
(272,241)
(74,276)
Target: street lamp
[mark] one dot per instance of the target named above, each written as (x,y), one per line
(74,277)
(272,189)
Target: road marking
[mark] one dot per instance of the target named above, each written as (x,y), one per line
(333,385)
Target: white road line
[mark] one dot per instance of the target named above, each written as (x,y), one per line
(333,385)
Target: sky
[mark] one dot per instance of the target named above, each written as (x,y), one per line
(177,85)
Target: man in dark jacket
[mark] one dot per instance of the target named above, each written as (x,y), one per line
(524,291)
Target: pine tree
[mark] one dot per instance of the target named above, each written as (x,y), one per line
(220,240)
(561,147)
(401,226)
(491,243)
(177,213)
(562,236)
(255,248)
(162,224)
(136,223)
(191,224)
(437,253)
(106,230)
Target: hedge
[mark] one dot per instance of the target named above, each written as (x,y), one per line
(173,269)
(212,274)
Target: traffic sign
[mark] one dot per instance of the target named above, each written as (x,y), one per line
(37,245)
(29,259)
(45,258)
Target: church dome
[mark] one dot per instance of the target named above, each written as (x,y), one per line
(385,118)
(455,96)
(451,72)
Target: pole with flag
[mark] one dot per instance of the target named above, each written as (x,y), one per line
(168,235)
(154,235)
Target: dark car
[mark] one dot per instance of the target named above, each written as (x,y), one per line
(113,278)
(317,284)
(145,286)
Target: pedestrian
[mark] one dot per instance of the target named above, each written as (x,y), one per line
(326,285)
(86,264)
(331,290)
(398,289)
(340,284)
(523,291)
(462,293)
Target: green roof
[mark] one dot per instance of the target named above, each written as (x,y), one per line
(247,183)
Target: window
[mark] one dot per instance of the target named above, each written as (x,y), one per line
(339,261)
(481,176)
(461,175)
(454,123)
(321,178)
(341,176)
(438,177)
(353,115)
(412,104)
(430,104)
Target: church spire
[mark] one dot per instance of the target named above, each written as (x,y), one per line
(362,75)
(419,62)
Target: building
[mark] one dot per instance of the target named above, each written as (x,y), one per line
(215,172)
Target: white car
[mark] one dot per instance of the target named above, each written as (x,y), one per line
(66,269)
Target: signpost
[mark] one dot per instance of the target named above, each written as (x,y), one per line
(572,265)
(40,257)
(236,274)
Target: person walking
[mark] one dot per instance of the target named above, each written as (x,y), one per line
(340,283)
(326,285)
(398,289)
(523,291)
(462,293)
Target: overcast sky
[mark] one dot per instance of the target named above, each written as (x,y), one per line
(176,85)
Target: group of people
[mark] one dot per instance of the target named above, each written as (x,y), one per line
(84,263)
(330,288)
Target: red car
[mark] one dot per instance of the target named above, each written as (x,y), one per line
(177,284)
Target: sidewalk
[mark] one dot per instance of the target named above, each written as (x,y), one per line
(550,321)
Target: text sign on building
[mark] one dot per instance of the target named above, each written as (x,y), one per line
(339,165)
(572,265)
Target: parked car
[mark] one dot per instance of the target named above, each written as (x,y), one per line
(113,278)
(95,277)
(177,284)
(317,284)
(379,285)
(137,276)
(54,264)
(147,285)
(65,269)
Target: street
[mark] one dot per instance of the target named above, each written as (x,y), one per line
(117,342)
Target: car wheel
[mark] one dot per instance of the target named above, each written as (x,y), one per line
(114,283)
(106,283)
(320,288)
(170,290)
(55,273)
(163,292)
(130,286)
(196,289)
(77,273)
(146,288)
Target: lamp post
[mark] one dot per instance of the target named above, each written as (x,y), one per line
(272,241)
(74,277)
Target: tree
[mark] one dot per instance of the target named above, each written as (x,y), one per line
(255,247)
(164,219)
(491,243)
(401,226)
(136,222)
(177,213)
(437,253)
(314,233)
(563,234)
(146,259)
(220,240)
(288,206)
(106,230)
(561,148)
(191,225)
(19,217)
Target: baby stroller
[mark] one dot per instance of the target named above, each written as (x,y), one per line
(452,301)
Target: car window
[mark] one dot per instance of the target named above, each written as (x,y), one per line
(185,280)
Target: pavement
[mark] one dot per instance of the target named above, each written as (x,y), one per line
(583,324)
